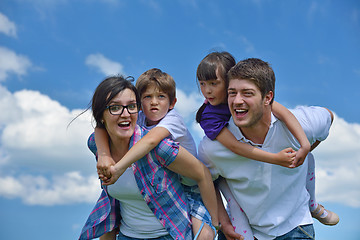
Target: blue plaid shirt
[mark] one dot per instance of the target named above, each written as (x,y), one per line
(160,188)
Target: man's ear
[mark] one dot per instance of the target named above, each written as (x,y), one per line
(172,105)
(268,97)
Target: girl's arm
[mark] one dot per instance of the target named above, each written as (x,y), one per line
(295,128)
(187,165)
(283,158)
(139,150)
(104,156)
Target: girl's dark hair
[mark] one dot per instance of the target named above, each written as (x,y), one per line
(214,65)
(106,91)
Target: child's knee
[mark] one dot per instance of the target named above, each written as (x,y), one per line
(206,233)
(202,231)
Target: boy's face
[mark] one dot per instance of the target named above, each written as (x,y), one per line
(155,104)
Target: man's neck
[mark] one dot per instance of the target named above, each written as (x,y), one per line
(257,133)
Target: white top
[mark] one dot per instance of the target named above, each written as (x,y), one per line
(274,198)
(175,124)
(134,210)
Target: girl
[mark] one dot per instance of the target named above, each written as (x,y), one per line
(213,116)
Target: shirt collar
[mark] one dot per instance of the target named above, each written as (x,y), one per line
(239,135)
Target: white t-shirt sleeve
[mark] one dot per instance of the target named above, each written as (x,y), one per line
(316,122)
(175,124)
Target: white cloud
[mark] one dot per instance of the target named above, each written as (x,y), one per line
(6,26)
(10,62)
(338,164)
(34,133)
(35,138)
(187,105)
(64,189)
(104,65)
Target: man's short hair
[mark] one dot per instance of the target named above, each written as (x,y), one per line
(160,79)
(256,71)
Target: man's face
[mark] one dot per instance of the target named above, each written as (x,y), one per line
(245,103)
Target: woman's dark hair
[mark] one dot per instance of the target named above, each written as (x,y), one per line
(214,65)
(106,91)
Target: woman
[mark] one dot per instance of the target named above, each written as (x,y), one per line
(152,201)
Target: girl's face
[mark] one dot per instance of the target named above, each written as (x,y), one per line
(214,90)
(121,126)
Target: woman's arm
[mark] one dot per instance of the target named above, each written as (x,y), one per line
(187,165)
(283,158)
(139,150)
(295,128)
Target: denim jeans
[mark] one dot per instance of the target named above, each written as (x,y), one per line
(299,233)
(123,237)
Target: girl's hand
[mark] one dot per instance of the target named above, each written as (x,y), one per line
(286,158)
(300,156)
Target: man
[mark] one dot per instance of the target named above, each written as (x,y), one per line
(274,198)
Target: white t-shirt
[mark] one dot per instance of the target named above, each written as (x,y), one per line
(134,210)
(274,198)
(175,124)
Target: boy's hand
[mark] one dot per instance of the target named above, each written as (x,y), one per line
(115,174)
(103,167)
(286,158)
(230,233)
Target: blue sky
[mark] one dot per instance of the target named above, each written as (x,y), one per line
(54,53)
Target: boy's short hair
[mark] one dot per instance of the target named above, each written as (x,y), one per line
(160,79)
(257,71)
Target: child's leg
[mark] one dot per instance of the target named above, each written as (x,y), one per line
(324,216)
(200,216)
(206,232)
(237,216)
(310,182)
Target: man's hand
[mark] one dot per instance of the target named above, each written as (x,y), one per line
(230,233)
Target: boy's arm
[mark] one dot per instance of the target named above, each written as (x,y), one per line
(139,150)
(283,158)
(104,156)
(295,128)
(187,165)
